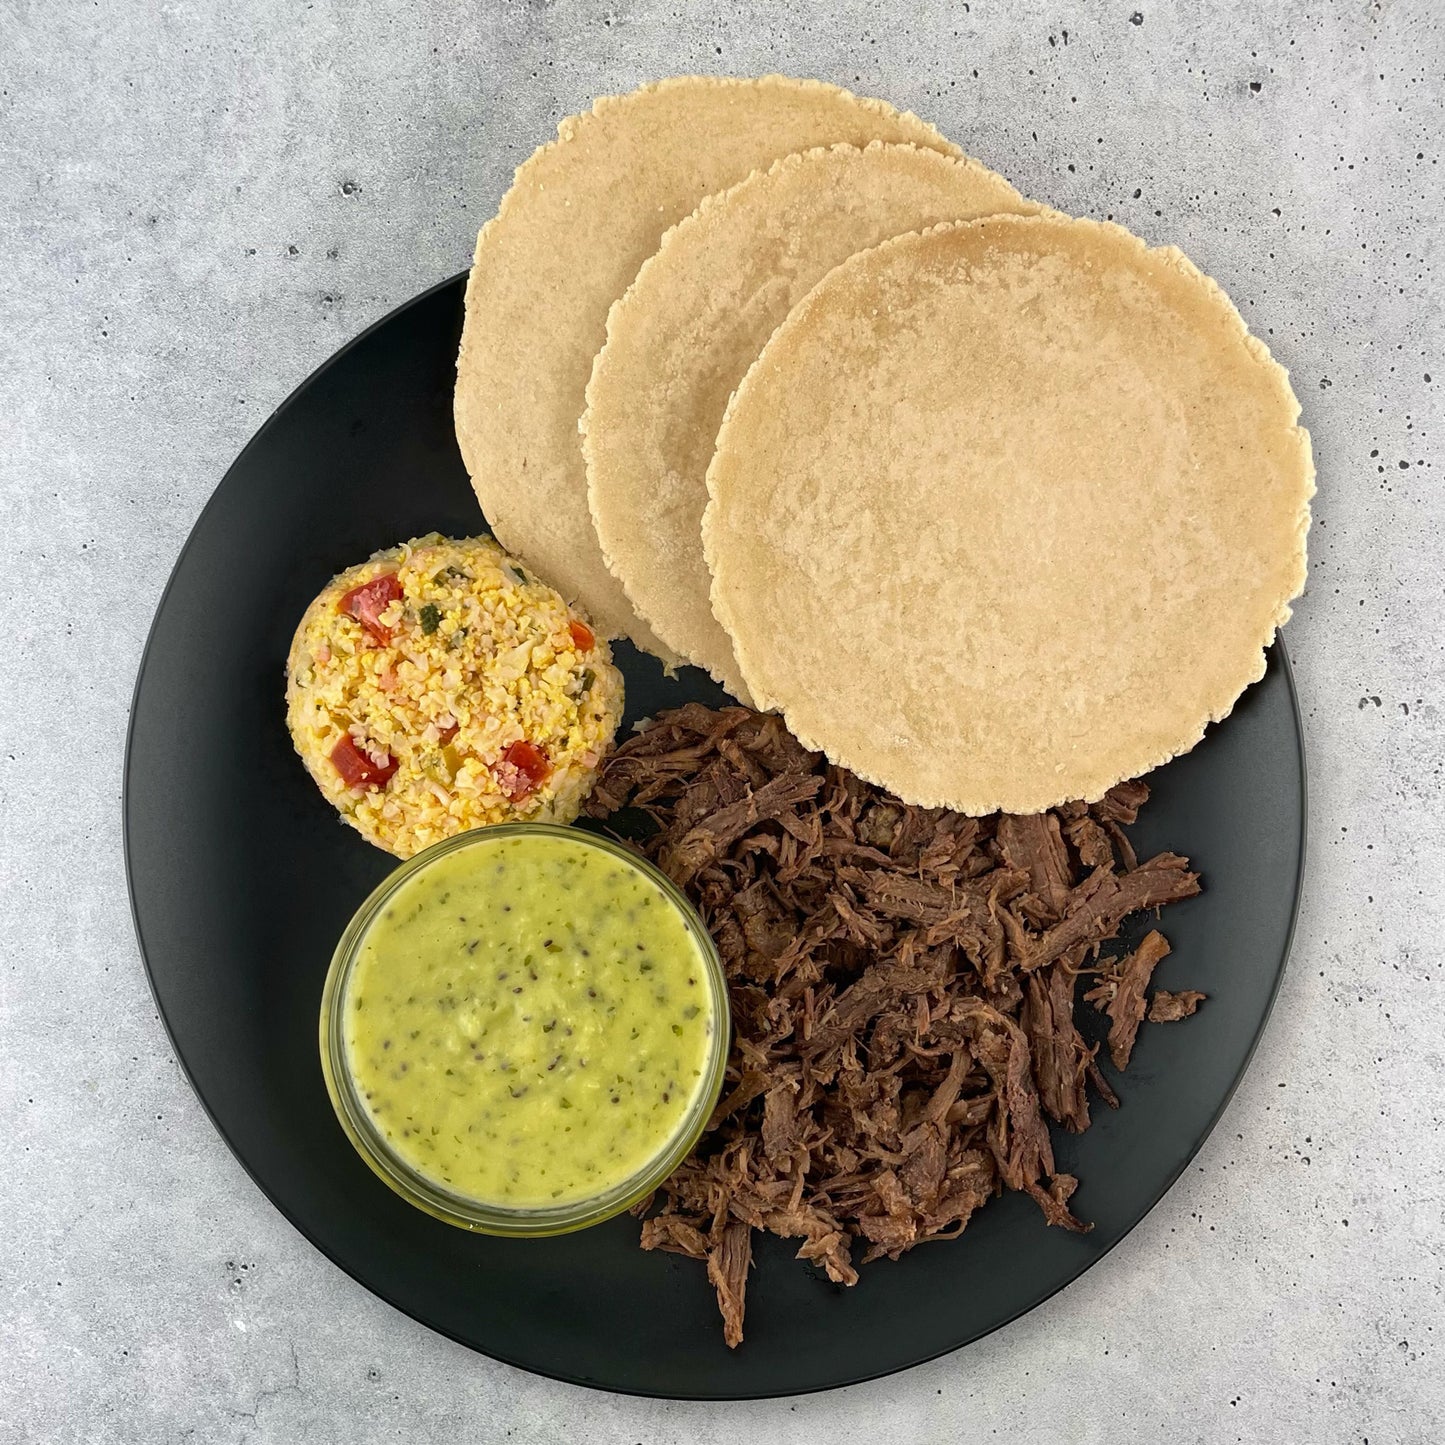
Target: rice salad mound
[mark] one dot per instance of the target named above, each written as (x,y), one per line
(439,687)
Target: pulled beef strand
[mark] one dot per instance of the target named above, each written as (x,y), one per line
(903,986)
(1168,1008)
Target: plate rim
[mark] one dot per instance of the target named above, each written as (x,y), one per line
(560,1375)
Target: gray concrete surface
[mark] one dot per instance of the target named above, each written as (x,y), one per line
(199,201)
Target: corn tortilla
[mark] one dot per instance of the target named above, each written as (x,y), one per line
(581,217)
(1007,511)
(695,319)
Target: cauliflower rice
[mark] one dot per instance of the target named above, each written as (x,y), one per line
(439,687)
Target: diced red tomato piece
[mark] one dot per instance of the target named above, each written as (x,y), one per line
(582,636)
(367,602)
(528,768)
(357,768)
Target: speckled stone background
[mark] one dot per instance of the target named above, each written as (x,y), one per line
(200,201)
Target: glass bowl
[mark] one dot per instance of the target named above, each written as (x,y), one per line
(429,1194)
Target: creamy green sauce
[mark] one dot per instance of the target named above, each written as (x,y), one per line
(528,1021)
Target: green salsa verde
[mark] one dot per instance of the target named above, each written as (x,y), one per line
(528,1021)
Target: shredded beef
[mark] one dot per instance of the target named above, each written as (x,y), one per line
(1060,1057)
(727,1268)
(903,986)
(1120,992)
(1035,844)
(1168,1008)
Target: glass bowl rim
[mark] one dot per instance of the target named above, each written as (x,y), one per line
(462,1210)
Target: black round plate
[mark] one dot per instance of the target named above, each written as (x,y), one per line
(242,879)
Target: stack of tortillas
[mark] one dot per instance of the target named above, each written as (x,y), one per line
(997,507)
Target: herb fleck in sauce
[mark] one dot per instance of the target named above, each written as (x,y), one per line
(532,1030)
